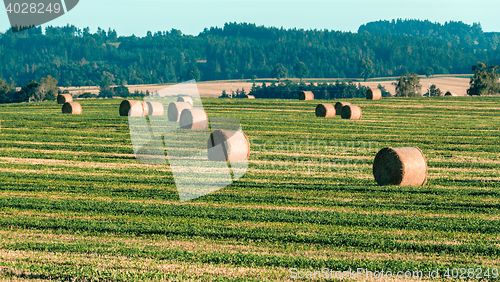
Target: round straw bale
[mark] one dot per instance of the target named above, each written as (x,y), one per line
(72,108)
(373,94)
(155,108)
(338,107)
(325,110)
(193,118)
(127,106)
(351,112)
(145,108)
(64,98)
(404,166)
(448,93)
(225,145)
(249,97)
(186,100)
(306,95)
(175,110)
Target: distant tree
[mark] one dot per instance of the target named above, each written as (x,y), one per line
(101,32)
(384,91)
(112,35)
(6,91)
(408,86)
(27,92)
(300,70)
(253,78)
(429,72)
(87,95)
(86,31)
(193,73)
(175,32)
(434,91)
(485,80)
(121,91)
(46,90)
(365,68)
(105,89)
(279,71)
(224,94)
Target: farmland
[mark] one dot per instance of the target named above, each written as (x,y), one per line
(213,89)
(76,205)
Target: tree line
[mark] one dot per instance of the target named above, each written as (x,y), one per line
(76,57)
(290,90)
(47,90)
(485,81)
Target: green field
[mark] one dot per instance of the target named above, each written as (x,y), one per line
(75,205)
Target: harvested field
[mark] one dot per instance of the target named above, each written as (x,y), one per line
(76,205)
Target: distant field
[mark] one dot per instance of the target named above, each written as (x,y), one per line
(213,89)
(75,205)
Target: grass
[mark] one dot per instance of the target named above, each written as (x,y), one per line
(76,205)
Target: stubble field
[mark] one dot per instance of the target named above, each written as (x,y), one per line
(213,89)
(75,205)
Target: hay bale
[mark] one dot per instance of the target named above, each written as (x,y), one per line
(64,98)
(448,93)
(325,110)
(404,166)
(374,94)
(306,95)
(127,106)
(155,109)
(338,107)
(249,97)
(175,109)
(225,145)
(351,112)
(72,108)
(193,118)
(186,100)
(145,108)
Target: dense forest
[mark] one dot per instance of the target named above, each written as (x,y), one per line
(454,33)
(78,57)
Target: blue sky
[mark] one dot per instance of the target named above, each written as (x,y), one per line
(192,16)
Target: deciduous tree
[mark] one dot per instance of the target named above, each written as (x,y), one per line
(105,89)
(408,86)
(26,92)
(434,91)
(6,91)
(47,89)
(485,80)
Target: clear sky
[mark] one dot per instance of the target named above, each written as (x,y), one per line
(192,16)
